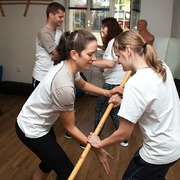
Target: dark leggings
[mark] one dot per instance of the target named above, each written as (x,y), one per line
(49,152)
(138,169)
(101,106)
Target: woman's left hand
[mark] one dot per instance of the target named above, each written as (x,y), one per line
(117,90)
(94,140)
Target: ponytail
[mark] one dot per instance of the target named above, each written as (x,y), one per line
(137,43)
(61,48)
(153,61)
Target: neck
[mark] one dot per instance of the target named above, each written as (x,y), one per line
(142,31)
(50,26)
(143,67)
(72,66)
(140,64)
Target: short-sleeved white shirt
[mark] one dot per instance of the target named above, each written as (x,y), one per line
(116,74)
(156,107)
(46,42)
(56,92)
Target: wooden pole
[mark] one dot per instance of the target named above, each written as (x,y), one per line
(27,7)
(2,10)
(96,132)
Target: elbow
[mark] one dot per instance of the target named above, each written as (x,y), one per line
(124,137)
(111,64)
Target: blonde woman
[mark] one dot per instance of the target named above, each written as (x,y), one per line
(150,99)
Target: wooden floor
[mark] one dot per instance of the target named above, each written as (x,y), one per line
(18,163)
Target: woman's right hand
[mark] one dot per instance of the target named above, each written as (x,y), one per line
(102,154)
(103,157)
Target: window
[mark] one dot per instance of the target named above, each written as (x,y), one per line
(87,14)
(122,13)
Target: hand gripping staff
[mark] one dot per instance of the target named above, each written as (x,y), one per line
(96,132)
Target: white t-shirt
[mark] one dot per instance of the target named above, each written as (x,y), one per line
(46,42)
(116,74)
(56,92)
(156,107)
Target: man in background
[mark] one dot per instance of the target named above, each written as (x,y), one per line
(46,41)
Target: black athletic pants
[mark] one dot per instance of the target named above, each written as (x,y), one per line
(49,152)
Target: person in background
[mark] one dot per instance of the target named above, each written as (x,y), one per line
(46,42)
(112,71)
(142,29)
(150,99)
(54,97)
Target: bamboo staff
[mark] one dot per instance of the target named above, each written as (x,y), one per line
(96,132)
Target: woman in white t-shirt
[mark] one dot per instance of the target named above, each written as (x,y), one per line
(112,71)
(150,99)
(55,97)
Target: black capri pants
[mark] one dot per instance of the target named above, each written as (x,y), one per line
(49,152)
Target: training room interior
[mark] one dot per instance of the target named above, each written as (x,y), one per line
(19,23)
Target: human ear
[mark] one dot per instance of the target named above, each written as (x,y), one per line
(51,15)
(128,50)
(73,54)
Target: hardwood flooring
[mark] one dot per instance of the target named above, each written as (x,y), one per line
(18,163)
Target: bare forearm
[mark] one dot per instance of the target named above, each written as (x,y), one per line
(113,139)
(121,134)
(55,55)
(90,88)
(78,135)
(102,63)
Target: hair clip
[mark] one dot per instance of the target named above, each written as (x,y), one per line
(144,45)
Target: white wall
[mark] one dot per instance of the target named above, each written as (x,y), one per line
(176,20)
(173,57)
(17,40)
(17,34)
(158,14)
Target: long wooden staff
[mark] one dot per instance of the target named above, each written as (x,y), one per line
(96,132)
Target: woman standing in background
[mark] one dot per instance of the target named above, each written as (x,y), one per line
(112,71)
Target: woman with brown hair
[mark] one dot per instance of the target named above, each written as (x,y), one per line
(54,97)
(112,71)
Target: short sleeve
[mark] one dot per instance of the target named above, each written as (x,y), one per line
(63,99)
(115,58)
(109,52)
(47,40)
(77,76)
(133,104)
